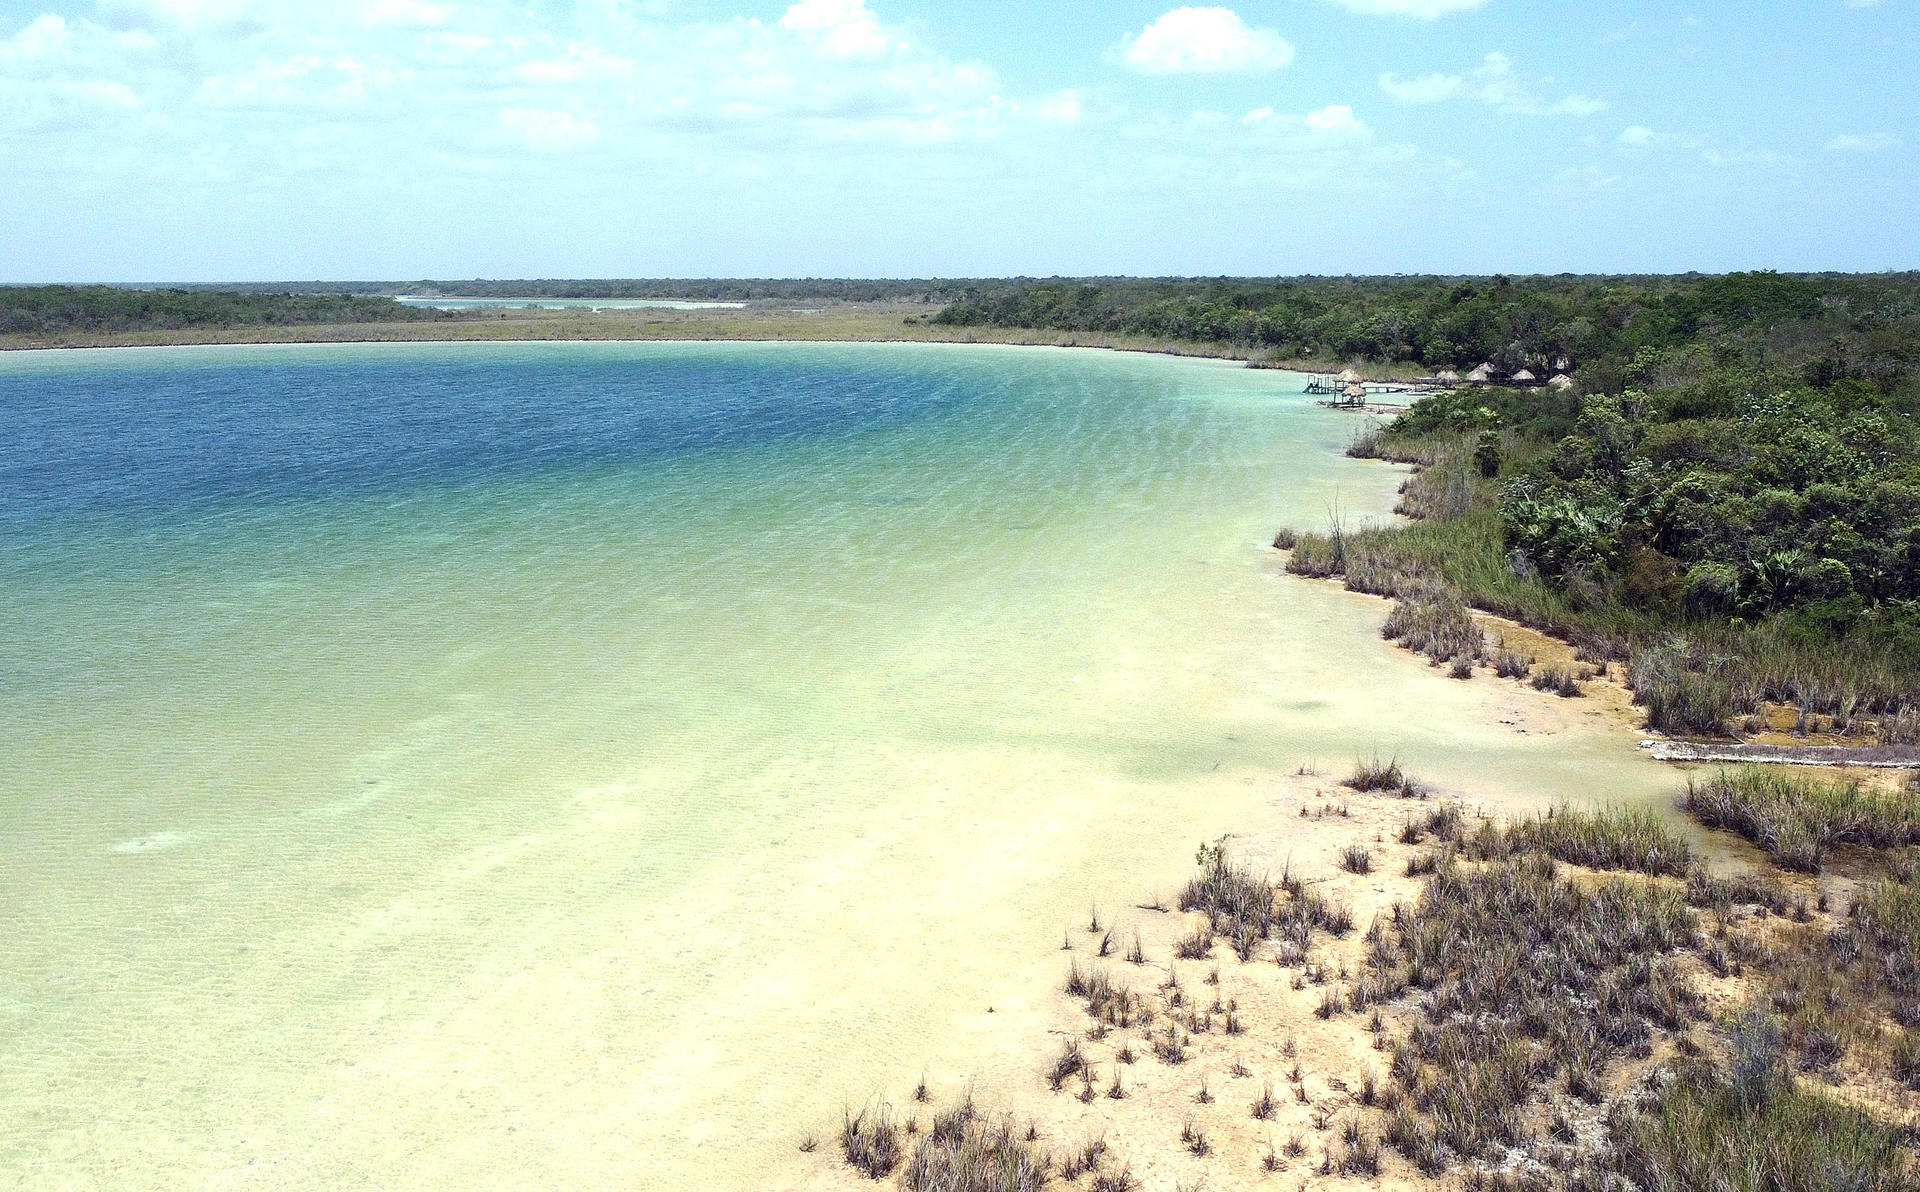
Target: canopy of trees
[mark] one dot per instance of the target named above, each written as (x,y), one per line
(42,309)
(1462,322)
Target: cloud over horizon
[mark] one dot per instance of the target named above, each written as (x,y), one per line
(181,138)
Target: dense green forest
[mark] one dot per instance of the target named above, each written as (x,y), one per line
(45,309)
(1728,501)
(1512,323)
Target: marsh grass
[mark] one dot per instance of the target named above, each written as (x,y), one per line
(1195,945)
(1436,625)
(1753,1130)
(1071,1062)
(1691,678)
(1523,977)
(1247,909)
(1512,664)
(1612,838)
(1798,820)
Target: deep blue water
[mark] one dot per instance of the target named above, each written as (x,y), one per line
(146,436)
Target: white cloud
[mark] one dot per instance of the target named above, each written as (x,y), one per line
(549,130)
(1204,40)
(1494,82)
(1862,142)
(845,29)
(1337,120)
(1063,107)
(394,77)
(1497,83)
(1425,10)
(1428,88)
(1641,141)
(1334,124)
(1639,136)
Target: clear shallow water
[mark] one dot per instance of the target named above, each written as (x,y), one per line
(590,765)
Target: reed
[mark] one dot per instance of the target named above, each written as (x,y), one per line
(1754,1130)
(1436,625)
(1523,976)
(965,1153)
(1612,838)
(870,1141)
(1378,776)
(1799,820)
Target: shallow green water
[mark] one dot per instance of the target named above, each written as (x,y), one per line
(587,806)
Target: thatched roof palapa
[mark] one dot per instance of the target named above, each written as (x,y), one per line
(1347,376)
(1560,381)
(1449,377)
(1355,390)
(1524,377)
(1481,375)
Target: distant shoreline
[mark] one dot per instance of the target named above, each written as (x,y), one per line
(846,323)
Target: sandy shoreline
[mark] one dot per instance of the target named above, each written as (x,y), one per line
(845,323)
(1147,1112)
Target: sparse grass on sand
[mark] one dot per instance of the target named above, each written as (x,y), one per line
(1568,1003)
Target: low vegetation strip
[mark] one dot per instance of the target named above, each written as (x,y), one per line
(1613,838)
(49,310)
(1799,820)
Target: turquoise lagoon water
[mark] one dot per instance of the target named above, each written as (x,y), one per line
(589,765)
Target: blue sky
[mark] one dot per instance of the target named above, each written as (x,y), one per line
(197,140)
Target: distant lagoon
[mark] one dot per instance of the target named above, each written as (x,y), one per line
(563,303)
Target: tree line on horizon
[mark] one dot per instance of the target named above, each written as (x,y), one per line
(39,310)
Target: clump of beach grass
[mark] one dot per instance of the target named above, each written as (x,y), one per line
(965,1154)
(1376,776)
(1436,625)
(870,1141)
(1798,820)
(1071,1062)
(1559,680)
(1512,664)
(1246,909)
